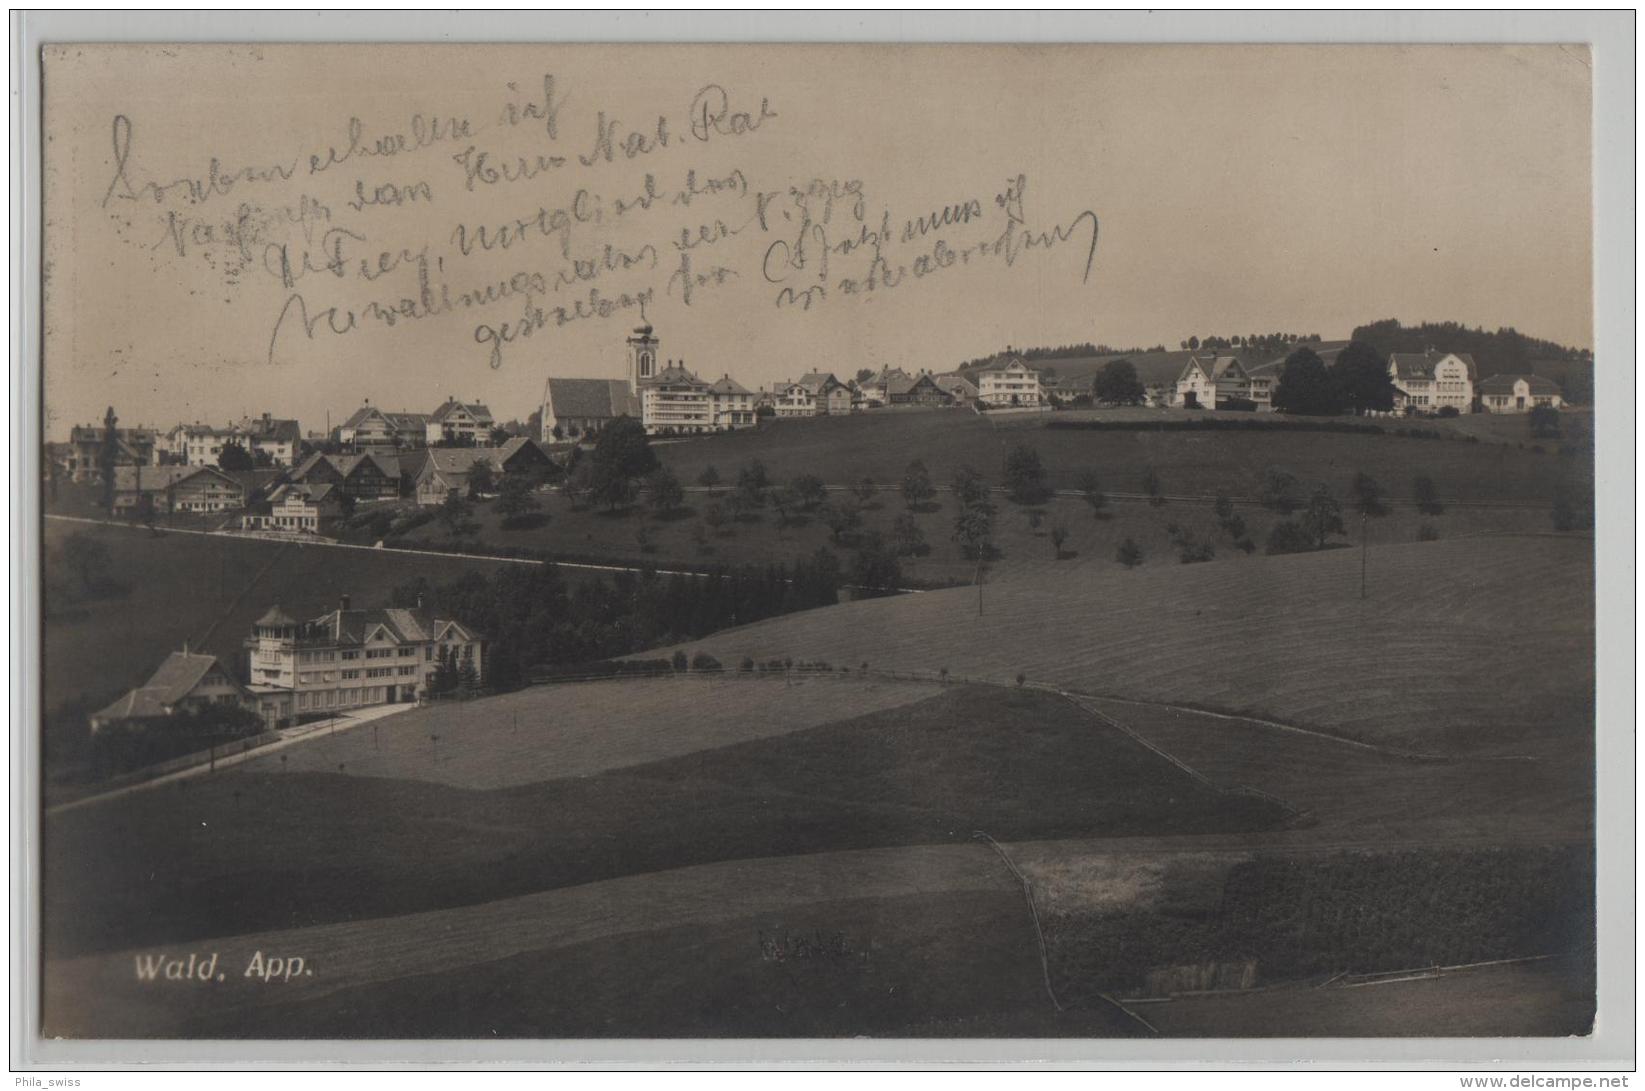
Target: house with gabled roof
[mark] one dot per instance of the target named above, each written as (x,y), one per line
(459,422)
(829,396)
(83,456)
(733,403)
(435,472)
(921,389)
(960,390)
(1519,394)
(370,426)
(368,475)
(1213,381)
(173,489)
(674,401)
(876,390)
(1008,382)
(185,681)
(1426,382)
(348,658)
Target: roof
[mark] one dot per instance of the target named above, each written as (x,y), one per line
(1420,365)
(276,616)
(1213,367)
(1504,384)
(161,478)
(136,704)
(725,384)
(674,374)
(818,381)
(955,382)
(272,428)
(1005,365)
(476,410)
(591,399)
(314,494)
(906,383)
(399,421)
(514,446)
(402,625)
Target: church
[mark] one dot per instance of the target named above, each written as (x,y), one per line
(662,394)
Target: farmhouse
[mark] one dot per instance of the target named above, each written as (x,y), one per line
(299,509)
(1428,381)
(876,390)
(373,427)
(960,390)
(459,422)
(350,658)
(184,682)
(436,471)
(828,394)
(921,389)
(368,476)
(1519,394)
(1009,382)
(177,489)
(1213,382)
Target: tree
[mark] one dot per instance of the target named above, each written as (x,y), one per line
(1544,421)
(784,499)
(1025,475)
(108,455)
(917,489)
(1323,516)
(481,477)
(907,537)
(578,486)
(1306,387)
(1368,496)
(1427,495)
(1129,553)
(1281,491)
(974,531)
(709,478)
(809,491)
(454,512)
(714,515)
(841,517)
(235,457)
(663,491)
(752,478)
(874,569)
(1059,536)
(1091,488)
(622,456)
(1232,523)
(643,539)
(516,499)
(865,491)
(1151,486)
(864,374)
(969,487)
(1362,379)
(1117,384)
(1288,536)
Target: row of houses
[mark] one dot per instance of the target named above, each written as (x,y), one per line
(292,669)
(1424,382)
(452,422)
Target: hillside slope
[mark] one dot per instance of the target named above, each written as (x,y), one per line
(1478,645)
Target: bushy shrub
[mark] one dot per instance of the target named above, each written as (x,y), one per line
(679,661)
(747,663)
(1449,411)
(702,661)
(1289,537)
(1427,532)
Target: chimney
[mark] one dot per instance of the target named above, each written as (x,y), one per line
(344,604)
(419,600)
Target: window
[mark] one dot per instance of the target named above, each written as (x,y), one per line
(355,654)
(407,651)
(351,674)
(428,653)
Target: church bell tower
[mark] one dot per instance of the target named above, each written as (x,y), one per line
(642,356)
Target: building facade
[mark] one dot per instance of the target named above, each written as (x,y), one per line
(468,423)
(184,682)
(1519,394)
(1011,382)
(353,658)
(173,489)
(1213,382)
(1430,381)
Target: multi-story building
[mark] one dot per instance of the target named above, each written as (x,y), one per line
(275,437)
(294,509)
(1430,381)
(459,422)
(793,399)
(171,489)
(82,457)
(1519,394)
(829,396)
(674,401)
(733,403)
(369,426)
(1211,382)
(351,658)
(1009,382)
(369,476)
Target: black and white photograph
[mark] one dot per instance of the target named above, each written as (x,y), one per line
(818,541)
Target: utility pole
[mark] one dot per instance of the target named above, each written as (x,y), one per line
(1364,551)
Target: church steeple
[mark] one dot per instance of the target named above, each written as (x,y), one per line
(642,356)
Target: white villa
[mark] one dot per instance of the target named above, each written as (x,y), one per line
(1010,382)
(1207,382)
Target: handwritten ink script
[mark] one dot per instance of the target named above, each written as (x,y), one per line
(549,210)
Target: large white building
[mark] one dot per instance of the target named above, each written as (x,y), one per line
(664,395)
(351,658)
(1010,382)
(1429,381)
(1207,382)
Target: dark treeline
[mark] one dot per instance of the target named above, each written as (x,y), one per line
(1504,351)
(1050,352)
(532,617)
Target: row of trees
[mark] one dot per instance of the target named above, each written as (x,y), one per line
(1357,381)
(1265,343)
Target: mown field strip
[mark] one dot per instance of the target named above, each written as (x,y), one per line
(88,991)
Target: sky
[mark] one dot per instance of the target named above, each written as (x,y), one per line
(231,230)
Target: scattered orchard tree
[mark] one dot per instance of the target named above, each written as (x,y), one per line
(1427,495)
(1091,489)
(709,478)
(1322,516)
(809,491)
(481,478)
(663,491)
(1059,537)
(917,489)
(1368,499)
(1117,384)
(1025,476)
(907,538)
(1281,491)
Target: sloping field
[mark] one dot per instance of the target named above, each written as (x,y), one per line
(545,732)
(242,852)
(880,443)
(1484,645)
(99,994)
